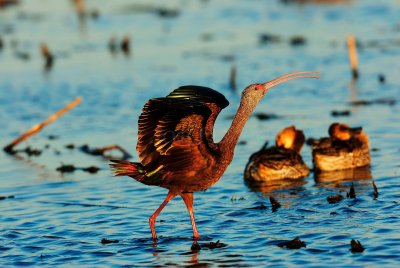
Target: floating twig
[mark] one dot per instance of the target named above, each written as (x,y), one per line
(232,78)
(352,48)
(35,129)
(356,246)
(375,190)
(48,57)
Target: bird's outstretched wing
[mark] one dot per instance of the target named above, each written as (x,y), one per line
(171,137)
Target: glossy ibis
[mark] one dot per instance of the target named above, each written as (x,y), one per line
(175,140)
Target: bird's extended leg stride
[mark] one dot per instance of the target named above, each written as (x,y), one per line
(188,199)
(152,219)
(175,140)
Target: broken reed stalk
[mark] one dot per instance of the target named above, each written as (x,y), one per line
(232,78)
(101,151)
(35,129)
(352,47)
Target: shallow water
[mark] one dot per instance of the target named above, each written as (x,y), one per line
(60,219)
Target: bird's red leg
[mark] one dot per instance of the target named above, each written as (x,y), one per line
(188,199)
(152,219)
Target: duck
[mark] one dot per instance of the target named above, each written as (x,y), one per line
(282,161)
(345,148)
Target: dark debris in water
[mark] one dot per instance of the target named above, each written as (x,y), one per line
(259,207)
(336,113)
(381,78)
(381,101)
(352,192)
(101,151)
(166,13)
(292,244)
(297,41)
(106,241)
(66,168)
(28,151)
(91,169)
(53,137)
(333,199)
(356,246)
(376,193)
(70,146)
(7,197)
(275,204)
(72,168)
(265,116)
(195,246)
(266,38)
(213,245)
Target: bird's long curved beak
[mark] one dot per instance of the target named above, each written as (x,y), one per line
(290,76)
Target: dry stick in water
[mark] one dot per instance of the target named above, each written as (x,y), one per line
(351,44)
(35,129)
(232,78)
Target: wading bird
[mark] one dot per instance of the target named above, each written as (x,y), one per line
(282,161)
(175,140)
(345,148)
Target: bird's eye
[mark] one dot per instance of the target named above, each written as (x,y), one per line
(258,87)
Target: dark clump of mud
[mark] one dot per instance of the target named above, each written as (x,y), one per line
(66,168)
(333,199)
(292,244)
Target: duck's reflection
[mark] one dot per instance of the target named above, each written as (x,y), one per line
(333,178)
(274,185)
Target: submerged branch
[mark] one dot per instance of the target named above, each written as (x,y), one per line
(35,129)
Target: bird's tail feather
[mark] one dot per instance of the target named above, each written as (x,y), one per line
(126,168)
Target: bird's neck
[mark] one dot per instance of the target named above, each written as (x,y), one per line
(229,141)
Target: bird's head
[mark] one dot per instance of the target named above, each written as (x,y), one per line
(290,138)
(343,131)
(253,94)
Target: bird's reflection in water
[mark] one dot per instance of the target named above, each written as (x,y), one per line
(274,185)
(335,178)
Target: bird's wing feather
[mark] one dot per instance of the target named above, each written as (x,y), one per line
(171,134)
